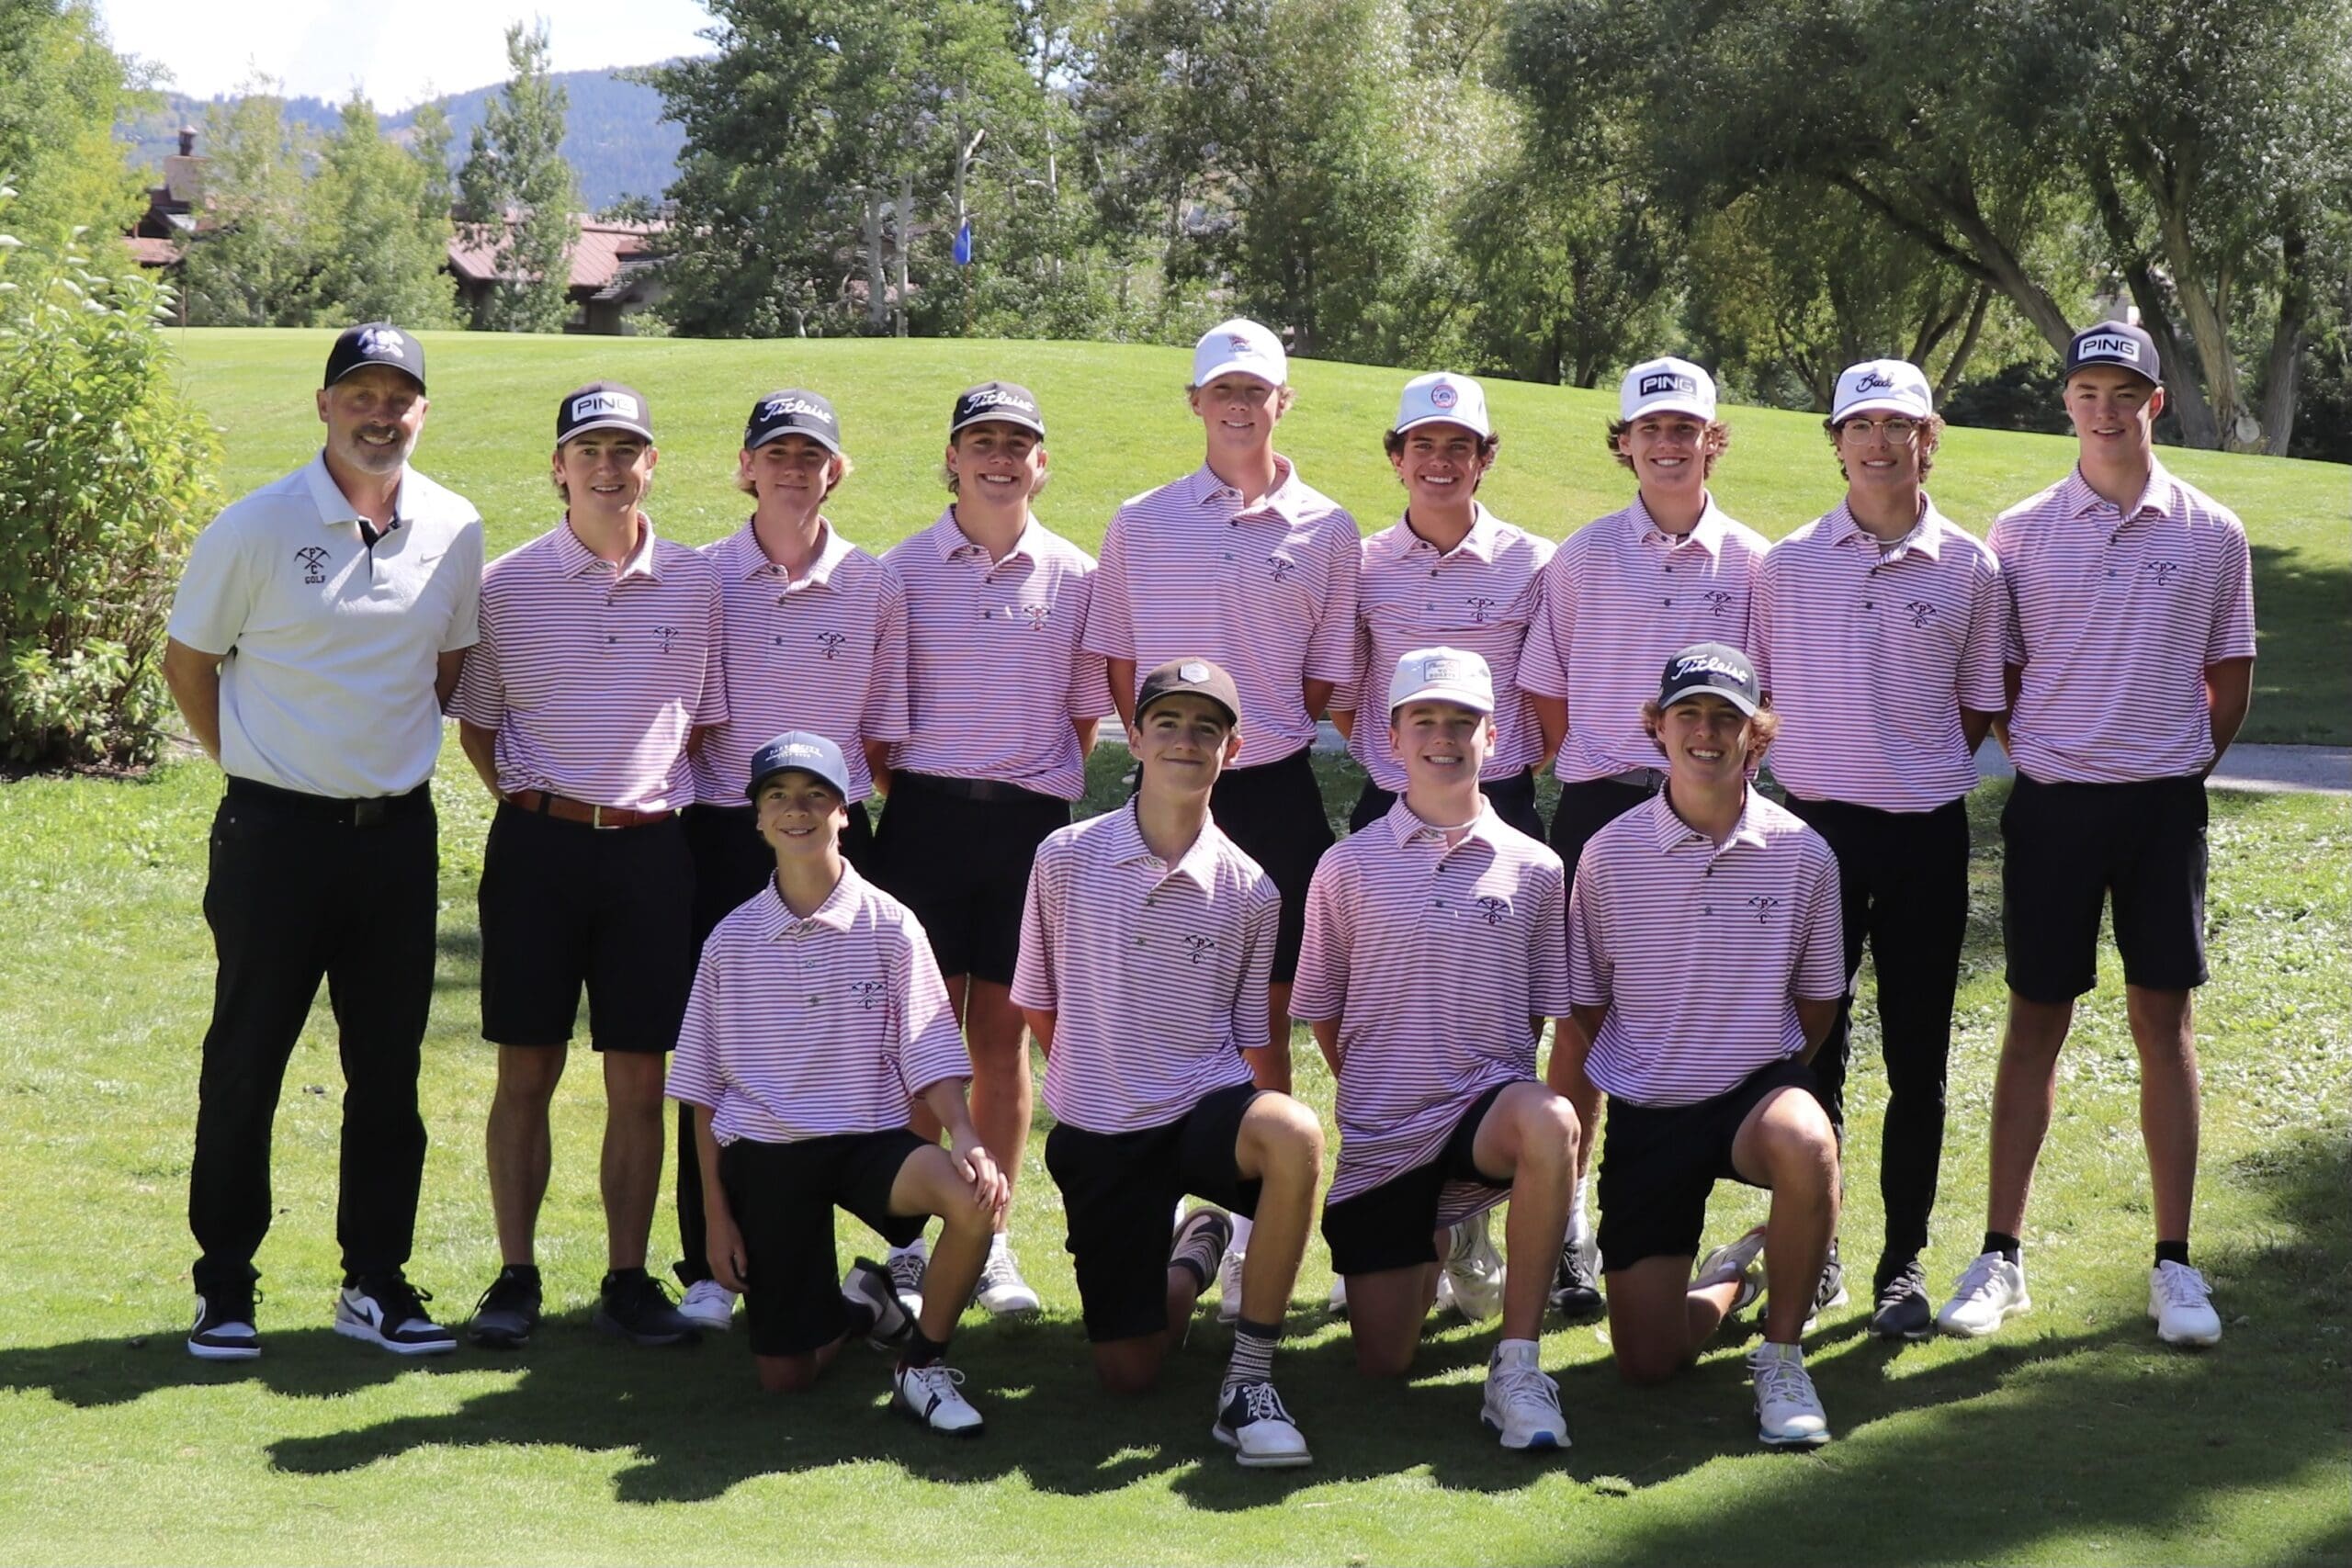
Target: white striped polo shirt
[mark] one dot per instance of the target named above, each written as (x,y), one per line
(592,674)
(1432,959)
(1155,972)
(824,652)
(1701,952)
(1868,656)
(2116,612)
(1481,596)
(806,1028)
(1620,596)
(994,676)
(1268,591)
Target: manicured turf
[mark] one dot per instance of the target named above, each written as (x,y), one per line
(1119,425)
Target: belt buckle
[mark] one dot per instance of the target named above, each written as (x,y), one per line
(596,819)
(368,813)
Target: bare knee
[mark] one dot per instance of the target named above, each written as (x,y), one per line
(1384,1360)
(1643,1367)
(1127,1368)
(1548,1131)
(787,1375)
(1284,1137)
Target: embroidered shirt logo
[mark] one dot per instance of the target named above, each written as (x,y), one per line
(829,643)
(867,992)
(1283,566)
(2164,571)
(1763,904)
(1717,600)
(1494,909)
(1036,614)
(1479,606)
(1198,946)
(1920,612)
(668,636)
(313,561)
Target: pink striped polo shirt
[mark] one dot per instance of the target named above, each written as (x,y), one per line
(593,675)
(806,1028)
(825,651)
(1155,972)
(1699,952)
(994,675)
(1620,596)
(1432,960)
(1267,591)
(1481,596)
(2115,616)
(1869,657)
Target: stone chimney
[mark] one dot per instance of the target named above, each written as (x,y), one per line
(184,173)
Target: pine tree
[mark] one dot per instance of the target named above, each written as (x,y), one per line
(517,195)
(381,230)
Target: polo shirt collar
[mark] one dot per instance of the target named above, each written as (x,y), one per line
(1197,865)
(572,558)
(745,559)
(1669,832)
(1707,533)
(2158,498)
(838,912)
(1479,543)
(948,537)
(1925,537)
(1404,826)
(1207,489)
(334,507)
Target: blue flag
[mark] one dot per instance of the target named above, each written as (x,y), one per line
(963,243)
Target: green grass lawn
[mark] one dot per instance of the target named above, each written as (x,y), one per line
(2074,1438)
(1120,426)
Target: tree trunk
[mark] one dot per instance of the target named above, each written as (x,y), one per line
(1985,258)
(877,284)
(1960,355)
(906,243)
(2282,370)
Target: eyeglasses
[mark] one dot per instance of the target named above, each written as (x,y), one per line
(1895,428)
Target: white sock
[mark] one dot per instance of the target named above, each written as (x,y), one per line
(919,1247)
(1240,1234)
(1516,1352)
(997,1242)
(1580,1217)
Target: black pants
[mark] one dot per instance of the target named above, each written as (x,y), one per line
(1904,879)
(304,889)
(1584,809)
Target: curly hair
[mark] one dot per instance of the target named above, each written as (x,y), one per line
(1712,445)
(1761,729)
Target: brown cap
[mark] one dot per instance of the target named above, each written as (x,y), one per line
(1195,675)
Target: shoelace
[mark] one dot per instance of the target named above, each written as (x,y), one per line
(1901,1286)
(1782,1381)
(938,1384)
(2182,1286)
(1976,1280)
(1262,1403)
(1000,1269)
(400,1300)
(906,1271)
(1525,1382)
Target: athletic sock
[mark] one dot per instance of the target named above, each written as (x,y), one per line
(2173,1252)
(1579,1216)
(922,1352)
(1253,1352)
(1517,1352)
(1241,1229)
(2006,1245)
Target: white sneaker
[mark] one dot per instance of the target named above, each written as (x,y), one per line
(931,1396)
(1251,1421)
(1002,1292)
(1788,1411)
(1738,1261)
(1991,1289)
(390,1312)
(1228,1285)
(1339,1302)
(709,1305)
(906,1272)
(2182,1304)
(1475,1269)
(1522,1405)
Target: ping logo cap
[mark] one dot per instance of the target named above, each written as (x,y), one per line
(2115,343)
(1667,385)
(792,412)
(602,405)
(375,342)
(1711,666)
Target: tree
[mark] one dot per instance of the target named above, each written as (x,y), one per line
(379,221)
(517,197)
(61,90)
(250,263)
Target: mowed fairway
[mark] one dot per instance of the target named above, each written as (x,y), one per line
(2073,1437)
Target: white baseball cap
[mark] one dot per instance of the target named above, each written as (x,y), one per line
(1239,344)
(1442,397)
(1443,674)
(1883,386)
(1667,385)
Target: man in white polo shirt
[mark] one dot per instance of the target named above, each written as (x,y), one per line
(318,631)
(1879,631)
(1435,948)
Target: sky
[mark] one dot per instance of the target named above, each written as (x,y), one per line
(401,51)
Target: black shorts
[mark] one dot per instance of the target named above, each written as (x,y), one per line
(783,1198)
(1585,809)
(565,905)
(962,864)
(732,861)
(1119,1194)
(1274,814)
(1513,799)
(2065,847)
(1394,1225)
(1659,1164)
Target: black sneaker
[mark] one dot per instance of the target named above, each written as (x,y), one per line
(1575,1296)
(223,1330)
(1903,1311)
(387,1311)
(636,1306)
(508,1311)
(1831,1291)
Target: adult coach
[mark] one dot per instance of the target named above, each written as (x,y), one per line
(1706,962)
(1242,564)
(599,654)
(815,639)
(318,630)
(1001,706)
(1622,594)
(1879,632)
(2131,667)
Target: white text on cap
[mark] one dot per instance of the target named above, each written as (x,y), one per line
(1667,385)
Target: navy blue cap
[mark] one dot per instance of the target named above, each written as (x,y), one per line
(1711,666)
(375,342)
(792,412)
(803,750)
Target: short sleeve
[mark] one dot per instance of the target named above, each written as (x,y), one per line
(1819,973)
(480,699)
(710,704)
(2233,632)
(696,1078)
(1759,618)
(1259,922)
(1544,664)
(1110,619)
(1036,979)
(215,595)
(888,716)
(1319,993)
(1090,680)
(930,1044)
(2009,557)
(1982,653)
(465,610)
(1591,970)
(1331,644)
(1549,994)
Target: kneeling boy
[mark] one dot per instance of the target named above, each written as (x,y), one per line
(817,1014)
(1706,956)
(1144,944)
(1435,949)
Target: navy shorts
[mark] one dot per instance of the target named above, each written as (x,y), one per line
(783,1198)
(1660,1164)
(1394,1225)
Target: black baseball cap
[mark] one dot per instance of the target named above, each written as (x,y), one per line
(1195,675)
(375,342)
(793,412)
(1714,667)
(1000,401)
(602,405)
(2115,343)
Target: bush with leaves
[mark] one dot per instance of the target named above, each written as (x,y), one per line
(106,471)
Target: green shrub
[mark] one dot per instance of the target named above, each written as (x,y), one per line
(106,471)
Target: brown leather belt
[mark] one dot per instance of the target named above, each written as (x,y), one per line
(567,811)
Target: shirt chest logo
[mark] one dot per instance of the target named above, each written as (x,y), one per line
(1035,616)
(312,559)
(830,643)
(867,992)
(1492,908)
(1717,601)
(1281,567)
(1197,946)
(2164,571)
(1481,608)
(1920,612)
(667,637)
(1763,904)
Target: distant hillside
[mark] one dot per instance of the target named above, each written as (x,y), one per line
(615,139)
